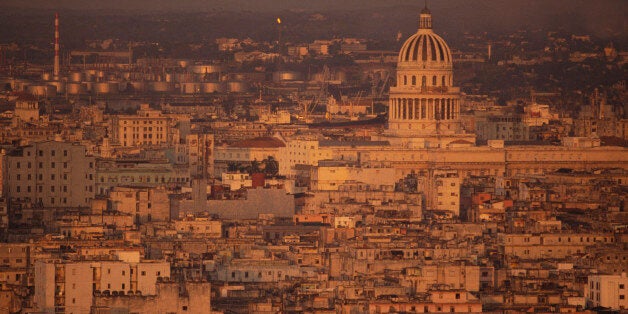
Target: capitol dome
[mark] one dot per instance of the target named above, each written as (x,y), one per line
(425,47)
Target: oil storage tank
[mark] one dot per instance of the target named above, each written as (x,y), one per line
(160,87)
(212,87)
(75,88)
(106,88)
(237,87)
(287,76)
(42,90)
(190,88)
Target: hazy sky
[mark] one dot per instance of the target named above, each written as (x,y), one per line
(606,18)
(196,5)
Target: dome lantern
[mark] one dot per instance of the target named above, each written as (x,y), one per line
(425,19)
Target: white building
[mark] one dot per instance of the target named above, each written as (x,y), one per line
(609,291)
(447,188)
(69,287)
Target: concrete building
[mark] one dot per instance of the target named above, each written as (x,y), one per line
(447,191)
(148,127)
(145,204)
(170,297)
(610,291)
(69,287)
(244,153)
(51,174)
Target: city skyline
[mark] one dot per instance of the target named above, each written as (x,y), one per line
(388,157)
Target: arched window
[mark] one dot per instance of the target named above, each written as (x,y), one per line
(444,81)
(434,80)
(424,81)
(413,80)
(405,80)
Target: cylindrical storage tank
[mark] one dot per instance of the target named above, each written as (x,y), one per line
(237,87)
(183,77)
(100,75)
(88,86)
(106,88)
(19,85)
(59,86)
(340,76)
(5,83)
(283,76)
(136,87)
(42,90)
(317,77)
(237,77)
(206,68)
(183,63)
(75,88)
(212,87)
(160,87)
(76,77)
(46,76)
(190,88)
(89,76)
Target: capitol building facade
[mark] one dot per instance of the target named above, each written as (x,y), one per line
(424,107)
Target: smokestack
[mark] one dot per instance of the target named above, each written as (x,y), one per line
(490,51)
(56,65)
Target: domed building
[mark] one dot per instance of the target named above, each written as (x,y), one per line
(424,106)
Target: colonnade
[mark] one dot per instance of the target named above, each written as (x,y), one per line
(424,109)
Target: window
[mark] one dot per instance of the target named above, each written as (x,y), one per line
(65,153)
(17,165)
(143,273)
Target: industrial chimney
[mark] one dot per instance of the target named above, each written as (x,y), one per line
(56,64)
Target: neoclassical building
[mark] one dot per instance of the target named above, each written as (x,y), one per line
(424,106)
